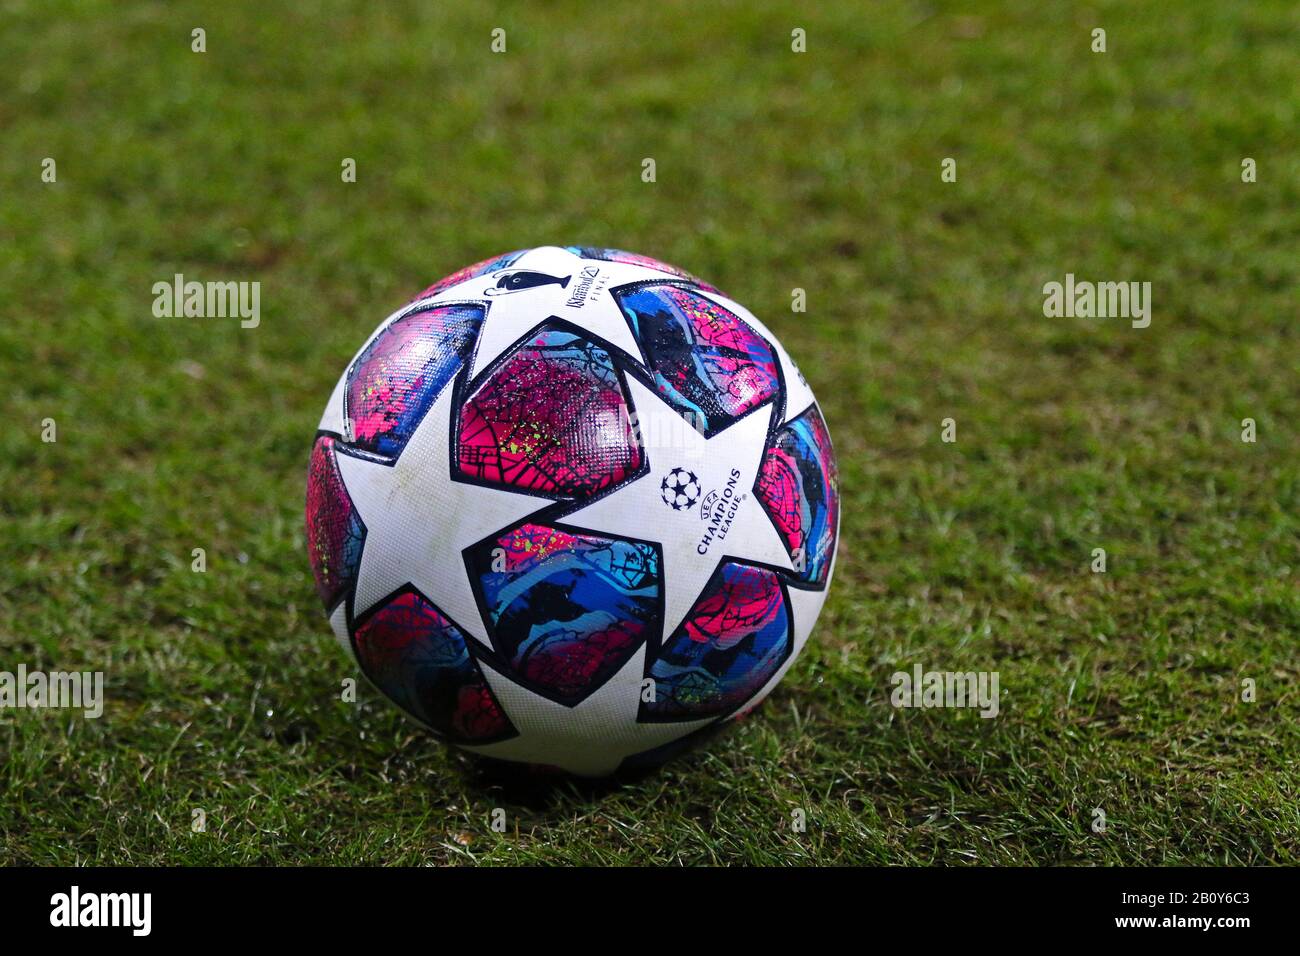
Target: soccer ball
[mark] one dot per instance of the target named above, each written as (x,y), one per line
(572,507)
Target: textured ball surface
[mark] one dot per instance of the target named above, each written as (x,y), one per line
(572,507)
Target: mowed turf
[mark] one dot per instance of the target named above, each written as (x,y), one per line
(775,170)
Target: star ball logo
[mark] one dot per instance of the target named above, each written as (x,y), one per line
(680,489)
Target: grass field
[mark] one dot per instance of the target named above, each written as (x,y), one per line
(775,170)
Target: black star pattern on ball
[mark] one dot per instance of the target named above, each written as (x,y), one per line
(680,489)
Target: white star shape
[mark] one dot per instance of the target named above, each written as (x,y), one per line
(419,519)
(637,509)
(590,739)
(513,315)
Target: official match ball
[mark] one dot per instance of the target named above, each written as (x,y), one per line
(572,507)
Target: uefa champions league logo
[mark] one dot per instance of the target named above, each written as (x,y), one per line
(719,511)
(680,489)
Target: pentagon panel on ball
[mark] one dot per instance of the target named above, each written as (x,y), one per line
(566,610)
(551,417)
(572,507)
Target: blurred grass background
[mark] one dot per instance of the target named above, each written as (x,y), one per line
(775,170)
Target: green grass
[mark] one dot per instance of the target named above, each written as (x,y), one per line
(775,170)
